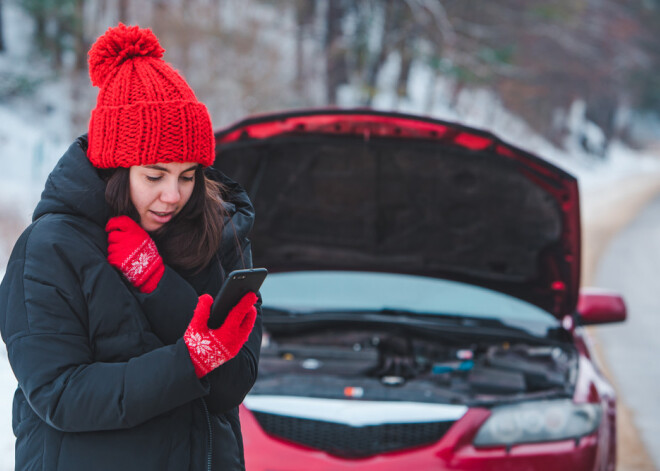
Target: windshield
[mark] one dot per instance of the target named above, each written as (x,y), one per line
(313,291)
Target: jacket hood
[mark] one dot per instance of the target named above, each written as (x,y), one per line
(386,192)
(240,211)
(74,187)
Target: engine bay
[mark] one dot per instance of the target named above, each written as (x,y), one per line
(396,364)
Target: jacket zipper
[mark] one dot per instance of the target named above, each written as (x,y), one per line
(209,453)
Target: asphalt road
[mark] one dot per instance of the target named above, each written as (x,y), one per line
(631,266)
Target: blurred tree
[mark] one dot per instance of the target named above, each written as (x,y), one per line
(539,58)
(335,50)
(304,15)
(58,29)
(75,29)
(38,9)
(647,79)
(371,54)
(122,11)
(2,35)
(396,36)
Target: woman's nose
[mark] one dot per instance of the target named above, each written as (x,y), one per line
(170,194)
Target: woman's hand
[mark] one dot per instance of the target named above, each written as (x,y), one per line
(134,253)
(210,348)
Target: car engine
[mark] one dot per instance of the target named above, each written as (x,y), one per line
(390,365)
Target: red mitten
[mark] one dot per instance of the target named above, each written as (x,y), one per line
(210,348)
(134,253)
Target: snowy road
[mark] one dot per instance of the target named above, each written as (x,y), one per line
(631,266)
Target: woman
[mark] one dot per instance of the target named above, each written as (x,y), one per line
(105,300)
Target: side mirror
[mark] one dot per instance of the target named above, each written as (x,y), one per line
(597,306)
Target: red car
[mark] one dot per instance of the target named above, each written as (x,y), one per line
(422,309)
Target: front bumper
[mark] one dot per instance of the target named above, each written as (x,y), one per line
(454,451)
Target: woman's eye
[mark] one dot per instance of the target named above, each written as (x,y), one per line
(153,179)
(187,179)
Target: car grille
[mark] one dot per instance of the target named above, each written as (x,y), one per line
(346,441)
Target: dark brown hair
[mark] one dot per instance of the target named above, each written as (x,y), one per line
(191,239)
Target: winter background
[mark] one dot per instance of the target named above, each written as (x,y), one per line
(574,81)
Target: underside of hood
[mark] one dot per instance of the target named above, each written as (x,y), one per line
(386,192)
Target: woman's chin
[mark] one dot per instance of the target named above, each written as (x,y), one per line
(150,225)
(152,222)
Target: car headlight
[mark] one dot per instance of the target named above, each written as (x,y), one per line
(538,421)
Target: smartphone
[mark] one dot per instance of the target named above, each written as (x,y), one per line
(237,285)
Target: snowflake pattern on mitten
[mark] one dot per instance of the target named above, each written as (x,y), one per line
(200,345)
(139,261)
(210,348)
(132,250)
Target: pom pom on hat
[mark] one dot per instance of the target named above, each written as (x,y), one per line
(117,45)
(145,111)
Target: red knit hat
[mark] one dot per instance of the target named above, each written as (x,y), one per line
(145,111)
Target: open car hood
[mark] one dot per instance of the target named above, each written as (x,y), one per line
(379,191)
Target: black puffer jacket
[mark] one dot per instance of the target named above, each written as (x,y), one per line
(105,381)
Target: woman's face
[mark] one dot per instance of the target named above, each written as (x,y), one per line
(160,191)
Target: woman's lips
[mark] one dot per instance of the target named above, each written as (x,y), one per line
(163,217)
